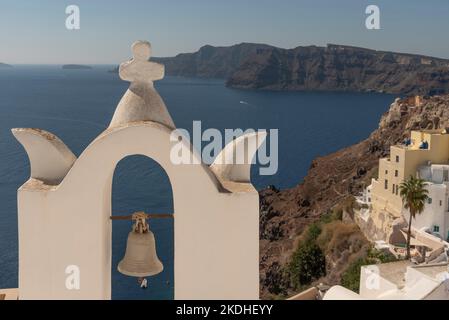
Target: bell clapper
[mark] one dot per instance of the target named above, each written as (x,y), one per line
(143,283)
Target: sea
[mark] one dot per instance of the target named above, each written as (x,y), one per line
(77,105)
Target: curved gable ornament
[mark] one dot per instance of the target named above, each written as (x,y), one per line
(64,208)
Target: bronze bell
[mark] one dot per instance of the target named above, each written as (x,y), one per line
(140,259)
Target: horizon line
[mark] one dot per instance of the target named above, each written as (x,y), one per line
(242,43)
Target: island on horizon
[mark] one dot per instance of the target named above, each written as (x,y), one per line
(76,67)
(5,65)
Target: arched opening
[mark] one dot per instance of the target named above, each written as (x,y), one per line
(141,184)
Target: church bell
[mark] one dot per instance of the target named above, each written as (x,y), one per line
(140,259)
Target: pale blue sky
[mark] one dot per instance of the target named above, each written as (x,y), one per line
(34,31)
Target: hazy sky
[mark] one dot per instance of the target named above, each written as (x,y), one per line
(34,31)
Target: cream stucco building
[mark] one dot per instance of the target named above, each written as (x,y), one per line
(425,154)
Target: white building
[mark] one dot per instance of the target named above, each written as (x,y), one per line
(435,217)
(397,281)
(365,197)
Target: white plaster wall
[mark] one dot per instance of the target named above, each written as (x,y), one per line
(425,173)
(372,288)
(438,172)
(341,293)
(418,285)
(413,276)
(216,231)
(434,213)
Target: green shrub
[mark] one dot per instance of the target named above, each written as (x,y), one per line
(381,256)
(351,277)
(308,263)
(313,232)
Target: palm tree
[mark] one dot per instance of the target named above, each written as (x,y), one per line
(414,195)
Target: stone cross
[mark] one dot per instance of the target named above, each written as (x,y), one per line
(141,101)
(139,69)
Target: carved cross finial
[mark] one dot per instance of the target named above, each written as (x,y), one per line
(141,102)
(139,69)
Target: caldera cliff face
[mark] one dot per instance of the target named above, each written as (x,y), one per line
(341,68)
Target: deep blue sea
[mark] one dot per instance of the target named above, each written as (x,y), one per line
(77,105)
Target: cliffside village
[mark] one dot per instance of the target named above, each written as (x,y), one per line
(380,214)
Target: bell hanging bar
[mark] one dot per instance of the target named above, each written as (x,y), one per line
(141,213)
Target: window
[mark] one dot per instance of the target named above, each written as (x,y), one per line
(386,184)
(441,203)
(397,158)
(386,171)
(429,200)
(436,228)
(396,173)
(392,189)
(397,189)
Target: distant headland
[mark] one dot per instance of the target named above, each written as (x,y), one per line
(76,67)
(313,68)
(4,65)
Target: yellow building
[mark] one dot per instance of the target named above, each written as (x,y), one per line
(423,148)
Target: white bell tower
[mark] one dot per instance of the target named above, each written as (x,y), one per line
(64,208)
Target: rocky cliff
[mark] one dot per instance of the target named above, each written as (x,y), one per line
(211,62)
(342,68)
(331,68)
(330,180)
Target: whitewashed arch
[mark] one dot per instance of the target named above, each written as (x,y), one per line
(216,219)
